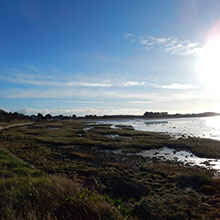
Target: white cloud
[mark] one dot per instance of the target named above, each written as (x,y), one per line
(42,81)
(98,93)
(81,102)
(152,97)
(168,45)
(176,86)
(150,40)
(48,93)
(133,83)
(86,84)
(140,102)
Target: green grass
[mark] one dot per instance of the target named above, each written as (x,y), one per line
(27,193)
(200,146)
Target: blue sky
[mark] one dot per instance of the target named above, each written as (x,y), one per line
(105,56)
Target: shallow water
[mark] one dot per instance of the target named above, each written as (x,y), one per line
(88,128)
(183,156)
(169,154)
(53,128)
(206,127)
(113,136)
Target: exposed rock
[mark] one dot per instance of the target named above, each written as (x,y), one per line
(206,163)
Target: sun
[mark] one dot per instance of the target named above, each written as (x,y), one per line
(209,63)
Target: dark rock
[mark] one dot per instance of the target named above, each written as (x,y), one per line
(206,163)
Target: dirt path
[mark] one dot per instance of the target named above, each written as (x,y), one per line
(15,125)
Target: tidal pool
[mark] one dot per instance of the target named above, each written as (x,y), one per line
(53,128)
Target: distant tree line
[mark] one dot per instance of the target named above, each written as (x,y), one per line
(7,117)
(155,114)
(40,117)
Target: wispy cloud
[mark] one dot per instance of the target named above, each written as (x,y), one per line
(99,57)
(128,35)
(45,81)
(133,83)
(100,94)
(71,101)
(176,86)
(169,45)
(140,102)
(86,84)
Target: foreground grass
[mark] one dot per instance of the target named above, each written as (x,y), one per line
(29,194)
(70,180)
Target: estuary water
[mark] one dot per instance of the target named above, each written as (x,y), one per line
(205,127)
(183,156)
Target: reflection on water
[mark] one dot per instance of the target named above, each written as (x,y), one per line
(213,122)
(183,156)
(169,154)
(206,127)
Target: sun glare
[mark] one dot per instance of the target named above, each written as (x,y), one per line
(209,63)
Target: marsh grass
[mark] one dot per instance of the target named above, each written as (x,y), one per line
(14,122)
(27,193)
(52,198)
(199,146)
(68,134)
